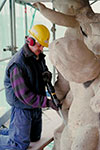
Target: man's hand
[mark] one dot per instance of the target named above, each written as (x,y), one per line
(51,104)
(47,76)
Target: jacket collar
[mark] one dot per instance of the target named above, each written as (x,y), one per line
(28,53)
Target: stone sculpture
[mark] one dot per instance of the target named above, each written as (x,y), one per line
(76,57)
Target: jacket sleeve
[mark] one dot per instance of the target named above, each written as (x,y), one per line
(44,66)
(23,93)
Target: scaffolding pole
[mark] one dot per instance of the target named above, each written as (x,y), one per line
(12,26)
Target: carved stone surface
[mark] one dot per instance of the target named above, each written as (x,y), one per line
(76,57)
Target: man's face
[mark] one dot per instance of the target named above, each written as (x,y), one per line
(37,48)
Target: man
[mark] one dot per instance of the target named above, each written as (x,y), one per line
(25,91)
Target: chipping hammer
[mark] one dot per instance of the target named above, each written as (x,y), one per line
(51,91)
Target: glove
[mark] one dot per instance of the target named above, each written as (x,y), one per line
(47,76)
(51,104)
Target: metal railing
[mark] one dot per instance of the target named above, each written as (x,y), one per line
(5,117)
(1,60)
(3,3)
(8,58)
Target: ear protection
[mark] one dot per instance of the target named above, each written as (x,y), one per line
(31,41)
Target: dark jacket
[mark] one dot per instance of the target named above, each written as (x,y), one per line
(32,70)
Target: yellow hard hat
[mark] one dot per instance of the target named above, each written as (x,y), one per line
(41,34)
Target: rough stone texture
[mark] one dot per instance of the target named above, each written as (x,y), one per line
(76,57)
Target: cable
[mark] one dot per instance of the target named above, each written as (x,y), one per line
(93,2)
